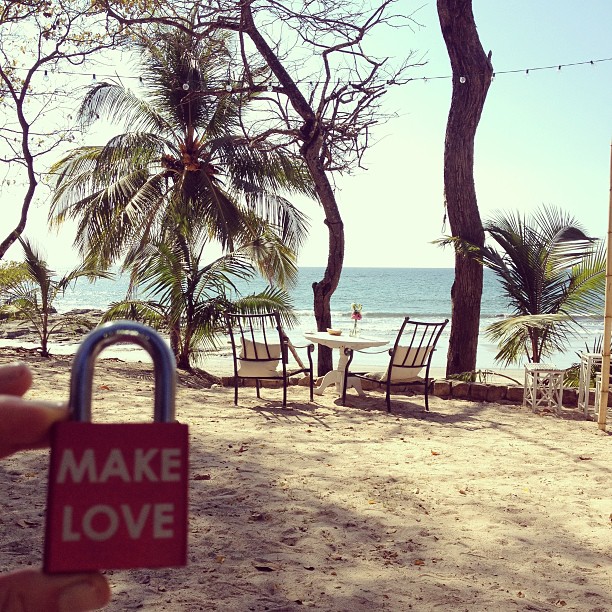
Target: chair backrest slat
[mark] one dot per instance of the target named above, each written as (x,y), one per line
(255,337)
(415,343)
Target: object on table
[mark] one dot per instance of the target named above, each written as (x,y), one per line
(334,332)
(260,351)
(412,351)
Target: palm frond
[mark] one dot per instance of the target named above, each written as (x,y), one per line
(147,312)
(116,102)
(271,298)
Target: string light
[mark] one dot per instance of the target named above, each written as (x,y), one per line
(312,84)
(428,77)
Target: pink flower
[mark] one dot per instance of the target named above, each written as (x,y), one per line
(356,316)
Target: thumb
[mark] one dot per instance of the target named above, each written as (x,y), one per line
(33,591)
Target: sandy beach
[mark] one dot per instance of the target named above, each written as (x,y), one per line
(473,506)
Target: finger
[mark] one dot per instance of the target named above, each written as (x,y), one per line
(15,379)
(26,424)
(33,591)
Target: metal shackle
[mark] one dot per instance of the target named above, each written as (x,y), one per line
(111,333)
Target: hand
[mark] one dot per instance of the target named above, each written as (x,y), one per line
(25,425)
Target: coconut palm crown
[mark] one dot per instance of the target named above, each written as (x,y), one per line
(185,151)
(552,274)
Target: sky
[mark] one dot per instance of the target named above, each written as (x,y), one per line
(544,137)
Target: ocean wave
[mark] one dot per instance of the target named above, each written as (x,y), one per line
(392,315)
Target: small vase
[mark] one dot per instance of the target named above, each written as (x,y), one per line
(355,331)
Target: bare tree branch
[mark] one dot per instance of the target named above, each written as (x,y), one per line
(39,35)
(320,90)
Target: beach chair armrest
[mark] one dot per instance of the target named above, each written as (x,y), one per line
(309,346)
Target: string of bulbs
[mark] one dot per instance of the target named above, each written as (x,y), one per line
(229,87)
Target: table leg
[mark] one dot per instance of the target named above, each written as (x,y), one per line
(336,377)
(333,377)
(355,383)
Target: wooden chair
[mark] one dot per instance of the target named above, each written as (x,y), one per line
(413,349)
(258,345)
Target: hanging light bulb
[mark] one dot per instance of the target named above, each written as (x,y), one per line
(228,87)
(186,86)
(462,79)
(46,75)
(270,87)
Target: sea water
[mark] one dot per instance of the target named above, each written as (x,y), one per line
(387,296)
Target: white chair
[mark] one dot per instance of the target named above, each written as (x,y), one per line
(543,386)
(413,349)
(588,361)
(597,392)
(260,350)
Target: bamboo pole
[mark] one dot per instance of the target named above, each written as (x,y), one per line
(605,362)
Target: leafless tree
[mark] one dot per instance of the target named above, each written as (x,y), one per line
(321,88)
(37,39)
(472,73)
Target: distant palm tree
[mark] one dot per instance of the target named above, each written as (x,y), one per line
(32,294)
(551,272)
(188,298)
(185,153)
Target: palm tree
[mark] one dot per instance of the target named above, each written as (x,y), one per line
(32,294)
(186,153)
(552,274)
(188,299)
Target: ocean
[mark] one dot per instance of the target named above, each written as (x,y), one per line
(387,295)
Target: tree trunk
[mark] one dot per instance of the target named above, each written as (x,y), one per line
(472,73)
(16,233)
(311,150)
(324,289)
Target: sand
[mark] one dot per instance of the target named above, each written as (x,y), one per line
(473,506)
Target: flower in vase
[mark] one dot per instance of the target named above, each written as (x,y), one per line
(356,314)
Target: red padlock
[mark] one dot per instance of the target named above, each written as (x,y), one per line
(117,495)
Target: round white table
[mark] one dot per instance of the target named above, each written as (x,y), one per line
(335,377)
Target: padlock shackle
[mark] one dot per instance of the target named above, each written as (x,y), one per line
(111,333)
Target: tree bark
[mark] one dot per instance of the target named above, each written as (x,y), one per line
(472,74)
(311,151)
(324,289)
(28,159)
